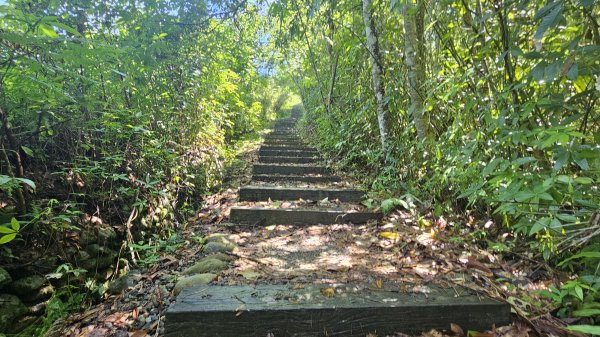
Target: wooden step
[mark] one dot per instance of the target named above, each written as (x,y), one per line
(288,169)
(288,148)
(296,178)
(282,134)
(297,216)
(263,193)
(285,145)
(347,310)
(283,141)
(287,153)
(288,160)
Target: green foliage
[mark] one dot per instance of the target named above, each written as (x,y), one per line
(510,96)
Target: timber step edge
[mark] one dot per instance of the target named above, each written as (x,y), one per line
(286,153)
(263,193)
(288,148)
(288,160)
(296,178)
(288,169)
(353,311)
(298,216)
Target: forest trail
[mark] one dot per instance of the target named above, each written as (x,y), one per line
(302,257)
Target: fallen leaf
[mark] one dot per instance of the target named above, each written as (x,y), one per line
(456,329)
(337,268)
(139,333)
(328,292)
(390,235)
(250,274)
(479,334)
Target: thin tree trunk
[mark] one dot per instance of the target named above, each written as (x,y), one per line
(374,57)
(17,160)
(414,62)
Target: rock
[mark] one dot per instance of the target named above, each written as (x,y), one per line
(107,235)
(206,265)
(27,285)
(100,257)
(11,308)
(223,257)
(194,280)
(217,247)
(41,294)
(124,282)
(4,277)
(81,256)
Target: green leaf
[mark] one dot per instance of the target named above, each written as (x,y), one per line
(47,30)
(27,182)
(573,72)
(579,292)
(538,226)
(7,238)
(15,225)
(550,15)
(6,230)
(584,180)
(591,329)
(586,312)
(66,28)
(579,256)
(390,204)
(27,150)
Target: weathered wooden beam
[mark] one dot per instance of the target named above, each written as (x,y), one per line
(298,216)
(347,310)
(296,178)
(288,169)
(263,193)
(289,160)
(288,148)
(287,153)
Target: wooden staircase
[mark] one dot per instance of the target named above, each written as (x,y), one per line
(288,171)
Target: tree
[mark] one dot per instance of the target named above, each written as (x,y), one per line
(414,56)
(376,73)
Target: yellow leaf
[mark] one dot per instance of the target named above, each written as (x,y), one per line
(379,283)
(250,274)
(328,292)
(389,235)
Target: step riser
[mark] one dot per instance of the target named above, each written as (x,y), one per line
(286,153)
(284,140)
(275,169)
(296,178)
(297,217)
(284,145)
(241,311)
(288,148)
(288,160)
(264,194)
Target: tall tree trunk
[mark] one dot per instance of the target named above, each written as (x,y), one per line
(17,160)
(374,58)
(414,53)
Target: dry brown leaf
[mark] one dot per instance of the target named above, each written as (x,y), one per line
(337,268)
(139,333)
(456,329)
(328,292)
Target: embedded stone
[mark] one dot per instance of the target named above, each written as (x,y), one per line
(11,308)
(194,280)
(206,265)
(27,285)
(4,277)
(217,247)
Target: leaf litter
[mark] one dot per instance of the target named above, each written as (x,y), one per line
(402,250)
